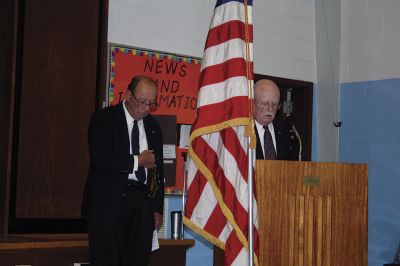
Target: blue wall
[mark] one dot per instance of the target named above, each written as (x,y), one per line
(314,139)
(202,252)
(370,134)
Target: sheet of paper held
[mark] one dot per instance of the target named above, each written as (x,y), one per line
(154,244)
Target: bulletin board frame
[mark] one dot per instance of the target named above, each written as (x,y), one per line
(176,77)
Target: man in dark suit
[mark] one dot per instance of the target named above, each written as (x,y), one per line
(125,144)
(273,142)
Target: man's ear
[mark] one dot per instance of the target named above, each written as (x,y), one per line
(128,95)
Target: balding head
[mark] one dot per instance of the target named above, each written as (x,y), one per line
(140,97)
(266,95)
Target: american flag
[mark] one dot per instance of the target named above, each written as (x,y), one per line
(217,200)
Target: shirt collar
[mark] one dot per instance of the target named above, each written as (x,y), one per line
(260,127)
(129,118)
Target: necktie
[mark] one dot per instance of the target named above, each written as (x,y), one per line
(140,173)
(269,150)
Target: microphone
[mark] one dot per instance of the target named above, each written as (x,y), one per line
(287,105)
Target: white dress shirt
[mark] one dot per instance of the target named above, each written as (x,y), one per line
(261,130)
(142,140)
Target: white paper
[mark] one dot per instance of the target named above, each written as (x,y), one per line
(184,136)
(169,151)
(154,244)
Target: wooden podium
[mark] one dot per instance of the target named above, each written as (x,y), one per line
(312,213)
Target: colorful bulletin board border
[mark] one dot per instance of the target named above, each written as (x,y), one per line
(176,77)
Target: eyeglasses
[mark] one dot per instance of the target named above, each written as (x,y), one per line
(142,102)
(266,105)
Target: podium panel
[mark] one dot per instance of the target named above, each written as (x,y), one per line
(312,213)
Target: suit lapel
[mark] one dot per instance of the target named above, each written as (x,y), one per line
(259,151)
(149,129)
(278,139)
(122,127)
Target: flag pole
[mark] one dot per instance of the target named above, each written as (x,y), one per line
(250,184)
(251,137)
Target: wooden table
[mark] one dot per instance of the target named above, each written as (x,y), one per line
(66,249)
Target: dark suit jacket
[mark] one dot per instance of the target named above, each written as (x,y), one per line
(285,151)
(110,164)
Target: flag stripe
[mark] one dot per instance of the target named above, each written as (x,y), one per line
(222,91)
(227,164)
(226,231)
(220,53)
(230,192)
(221,112)
(234,29)
(216,222)
(234,247)
(192,170)
(240,257)
(230,11)
(231,68)
(235,148)
(195,189)
(204,207)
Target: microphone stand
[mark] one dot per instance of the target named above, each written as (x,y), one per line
(289,119)
(288,110)
(184,155)
(299,140)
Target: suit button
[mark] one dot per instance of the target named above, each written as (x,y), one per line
(124,194)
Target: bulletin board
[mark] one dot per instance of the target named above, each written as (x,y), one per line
(177,79)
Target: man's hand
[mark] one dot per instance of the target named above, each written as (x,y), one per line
(146,159)
(157,220)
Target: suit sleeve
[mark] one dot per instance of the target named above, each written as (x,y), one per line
(103,155)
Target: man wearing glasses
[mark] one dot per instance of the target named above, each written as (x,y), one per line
(272,133)
(125,147)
